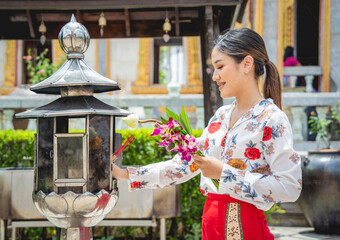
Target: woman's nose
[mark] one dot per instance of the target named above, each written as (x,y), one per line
(215,76)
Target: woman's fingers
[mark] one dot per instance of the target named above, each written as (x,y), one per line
(198,160)
(210,166)
(197,157)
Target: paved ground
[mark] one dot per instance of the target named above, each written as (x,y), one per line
(298,233)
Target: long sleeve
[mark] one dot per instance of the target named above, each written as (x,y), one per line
(162,174)
(165,173)
(278,178)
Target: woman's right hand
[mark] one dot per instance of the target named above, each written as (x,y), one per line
(119,173)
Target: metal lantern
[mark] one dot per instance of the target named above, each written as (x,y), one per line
(73,184)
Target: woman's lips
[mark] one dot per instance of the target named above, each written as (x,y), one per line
(220,86)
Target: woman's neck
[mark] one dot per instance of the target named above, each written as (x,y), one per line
(248,99)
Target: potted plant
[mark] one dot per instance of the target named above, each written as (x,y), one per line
(40,67)
(320,197)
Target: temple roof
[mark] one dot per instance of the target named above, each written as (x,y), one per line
(125,18)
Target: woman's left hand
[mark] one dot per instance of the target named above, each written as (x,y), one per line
(211,167)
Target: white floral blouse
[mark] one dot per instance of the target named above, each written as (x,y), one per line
(260,164)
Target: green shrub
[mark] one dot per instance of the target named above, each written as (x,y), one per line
(16,148)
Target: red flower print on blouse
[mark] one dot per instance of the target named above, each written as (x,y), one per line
(213,127)
(206,143)
(267,133)
(252,153)
(223,141)
(136,185)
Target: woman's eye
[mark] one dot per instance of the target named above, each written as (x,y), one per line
(220,67)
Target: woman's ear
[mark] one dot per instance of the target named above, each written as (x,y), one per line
(248,63)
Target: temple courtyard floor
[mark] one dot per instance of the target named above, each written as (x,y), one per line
(298,233)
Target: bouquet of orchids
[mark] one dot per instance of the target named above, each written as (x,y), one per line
(175,132)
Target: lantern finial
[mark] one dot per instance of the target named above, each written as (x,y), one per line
(74,39)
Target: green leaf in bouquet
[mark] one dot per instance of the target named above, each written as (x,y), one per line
(171,114)
(181,122)
(184,119)
(163,120)
(172,145)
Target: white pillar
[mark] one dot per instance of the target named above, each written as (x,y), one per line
(8,117)
(309,83)
(322,112)
(2,229)
(297,123)
(162,230)
(14,233)
(32,124)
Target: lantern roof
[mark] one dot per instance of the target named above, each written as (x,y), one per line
(74,39)
(73,106)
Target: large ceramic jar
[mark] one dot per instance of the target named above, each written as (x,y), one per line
(320,197)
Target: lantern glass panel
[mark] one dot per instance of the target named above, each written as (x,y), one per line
(45,155)
(76,125)
(70,157)
(99,152)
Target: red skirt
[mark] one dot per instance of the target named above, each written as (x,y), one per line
(226,218)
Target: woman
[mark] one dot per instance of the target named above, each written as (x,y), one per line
(248,146)
(289,61)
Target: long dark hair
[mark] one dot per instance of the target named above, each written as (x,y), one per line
(289,52)
(239,43)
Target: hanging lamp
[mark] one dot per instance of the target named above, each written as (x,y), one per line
(102,23)
(166,28)
(42,29)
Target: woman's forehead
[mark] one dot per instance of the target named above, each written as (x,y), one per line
(217,55)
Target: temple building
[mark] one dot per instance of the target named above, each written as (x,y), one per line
(148,65)
(140,65)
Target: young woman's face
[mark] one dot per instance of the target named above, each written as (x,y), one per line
(227,74)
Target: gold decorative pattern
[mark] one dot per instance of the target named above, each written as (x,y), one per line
(186,109)
(193,63)
(10,63)
(280,4)
(326,45)
(233,225)
(143,78)
(57,52)
(289,23)
(10,68)
(191,89)
(248,22)
(143,84)
(153,89)
(258,21)
(194,85)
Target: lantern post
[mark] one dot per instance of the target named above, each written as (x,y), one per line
(73,184)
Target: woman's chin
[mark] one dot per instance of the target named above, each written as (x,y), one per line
(225,95)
